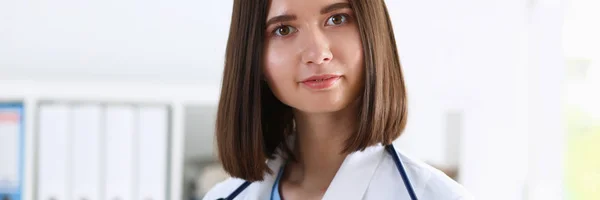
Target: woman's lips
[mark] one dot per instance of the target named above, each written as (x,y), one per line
(321,82)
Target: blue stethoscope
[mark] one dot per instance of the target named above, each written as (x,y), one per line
(389,148)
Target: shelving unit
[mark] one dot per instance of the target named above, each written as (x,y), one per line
(176,96)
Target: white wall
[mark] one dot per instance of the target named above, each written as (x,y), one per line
(469,56)
(499,64)
(126,40)
(546,76)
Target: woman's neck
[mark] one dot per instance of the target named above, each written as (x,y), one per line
(320,140)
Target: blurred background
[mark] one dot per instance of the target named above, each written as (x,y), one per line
(117,99)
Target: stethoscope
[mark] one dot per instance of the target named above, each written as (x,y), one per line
(389,148)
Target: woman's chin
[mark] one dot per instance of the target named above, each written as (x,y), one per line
(322,106)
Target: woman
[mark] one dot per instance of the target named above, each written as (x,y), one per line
(315,89)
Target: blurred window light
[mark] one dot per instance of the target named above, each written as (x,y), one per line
(582,103)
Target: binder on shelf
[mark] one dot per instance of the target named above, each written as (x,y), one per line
(11,151)
(86,136)
(119,145)
(153,130)
(53,153)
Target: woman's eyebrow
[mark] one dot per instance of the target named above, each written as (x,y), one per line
(335,6)
(280,18)
(325,10)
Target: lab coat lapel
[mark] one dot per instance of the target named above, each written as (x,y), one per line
(262,189)
(354,176)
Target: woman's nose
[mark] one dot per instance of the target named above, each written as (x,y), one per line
(316,48)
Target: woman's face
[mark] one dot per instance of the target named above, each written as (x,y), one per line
(313,54)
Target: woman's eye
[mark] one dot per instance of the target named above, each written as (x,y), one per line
(284,30)
(336,20)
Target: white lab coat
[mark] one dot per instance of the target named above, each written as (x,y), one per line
(368,175)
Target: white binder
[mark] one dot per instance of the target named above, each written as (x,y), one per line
(152,151)
(53,158)
(119,148)
(86,163)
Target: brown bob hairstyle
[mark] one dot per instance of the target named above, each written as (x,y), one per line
(252,123)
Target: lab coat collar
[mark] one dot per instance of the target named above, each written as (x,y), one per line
(264,188)
(350,182)
(354,176)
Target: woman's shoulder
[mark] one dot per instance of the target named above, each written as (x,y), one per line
(427,181)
